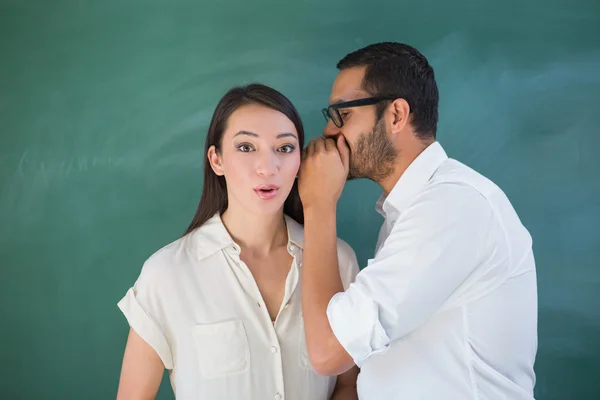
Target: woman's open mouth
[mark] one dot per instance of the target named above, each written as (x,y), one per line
(266,192)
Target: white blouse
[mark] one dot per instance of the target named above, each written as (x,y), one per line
(197,304)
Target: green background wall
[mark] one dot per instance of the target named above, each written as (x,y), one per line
(103,110)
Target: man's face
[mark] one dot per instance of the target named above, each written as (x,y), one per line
(372,154)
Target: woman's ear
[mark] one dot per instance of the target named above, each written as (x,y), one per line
(216,163)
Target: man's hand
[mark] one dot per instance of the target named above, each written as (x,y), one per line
(323,172)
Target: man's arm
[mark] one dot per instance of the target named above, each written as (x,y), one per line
(319,193)
(320,281)
(345,387)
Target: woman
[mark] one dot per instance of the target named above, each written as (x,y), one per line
(220,307)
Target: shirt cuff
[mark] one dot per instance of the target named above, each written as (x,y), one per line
(145,327)
(354,319)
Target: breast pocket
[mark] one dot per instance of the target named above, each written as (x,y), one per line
(222,349)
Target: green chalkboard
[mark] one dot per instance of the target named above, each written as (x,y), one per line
(103,110)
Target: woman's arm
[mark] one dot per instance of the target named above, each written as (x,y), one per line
(141,372)
(345,387)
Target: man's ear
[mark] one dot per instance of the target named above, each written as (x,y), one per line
(398,115)
(216,163)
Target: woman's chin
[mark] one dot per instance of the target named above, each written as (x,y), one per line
(267,207)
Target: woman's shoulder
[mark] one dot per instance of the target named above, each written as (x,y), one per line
(189,253)
(345,251)
(189,249)
(348,263)
(162,263)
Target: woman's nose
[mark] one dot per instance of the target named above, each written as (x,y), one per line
(268,164)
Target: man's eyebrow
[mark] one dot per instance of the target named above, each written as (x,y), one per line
(287,134)
(247,133)
(337,101)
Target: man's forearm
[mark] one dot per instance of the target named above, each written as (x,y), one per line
(320,280)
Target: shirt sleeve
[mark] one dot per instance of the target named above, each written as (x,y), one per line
(138,307)
(434,246)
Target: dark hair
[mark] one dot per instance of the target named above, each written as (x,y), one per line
(214,189)
(399,70)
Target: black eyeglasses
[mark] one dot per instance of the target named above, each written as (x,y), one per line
(333,110)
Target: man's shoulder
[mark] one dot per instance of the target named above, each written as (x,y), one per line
(455,170)
(454,176)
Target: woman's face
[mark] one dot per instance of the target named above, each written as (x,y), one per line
(259,158)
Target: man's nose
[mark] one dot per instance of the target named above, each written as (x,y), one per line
(331,131)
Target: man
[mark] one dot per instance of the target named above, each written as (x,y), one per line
(447,308)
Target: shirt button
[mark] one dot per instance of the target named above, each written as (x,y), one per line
(278,396)
(273,349)
(292,248)
(286,306)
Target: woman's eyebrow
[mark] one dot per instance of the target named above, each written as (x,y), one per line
(287,134)
(247,133)
(281,135)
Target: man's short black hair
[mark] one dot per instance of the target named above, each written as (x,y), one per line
(399,70)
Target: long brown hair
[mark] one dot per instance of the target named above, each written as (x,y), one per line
(214,189)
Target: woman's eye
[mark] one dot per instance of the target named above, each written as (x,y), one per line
(288,148)
(245,148)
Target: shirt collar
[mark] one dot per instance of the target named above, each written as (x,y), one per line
(212,237)
(412,181)
(295,232)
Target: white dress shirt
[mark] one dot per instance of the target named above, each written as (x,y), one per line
(197,304)
(447,308)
